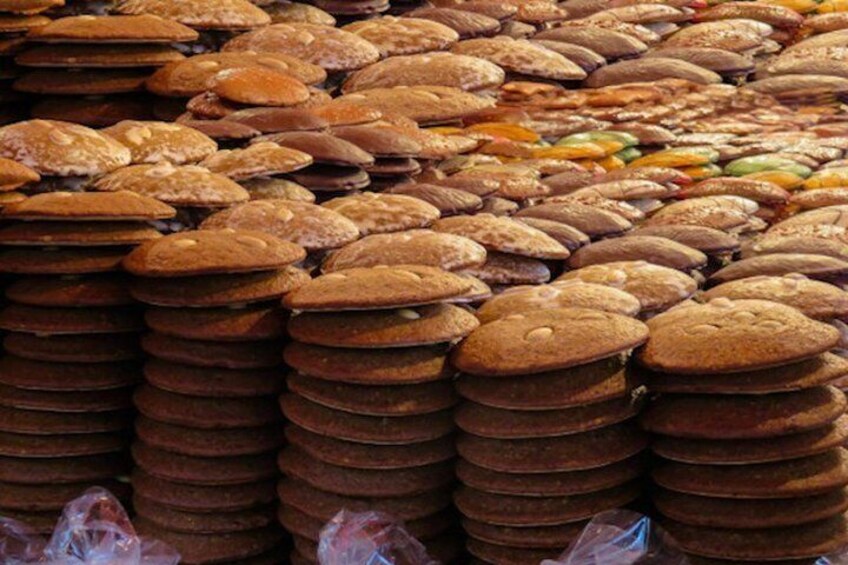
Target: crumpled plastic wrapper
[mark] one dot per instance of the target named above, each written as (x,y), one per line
(369,538)
(94,530)
(621,537)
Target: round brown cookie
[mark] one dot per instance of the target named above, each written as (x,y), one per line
(218,324)
(81,292)
(307,526)
(497,423)
(810,540)
(324,505)
(41,498)
(749,514)
(784,479)
(53,321)
(36,375)
(365,456)
(330,178)
(306,550)
(507,555)
(546,340)
(203,470)
(210,442)
(657,288)
(364,482)
(726,336)
(276,120)
(504,235)
(734,452)
(743,417)
(61,261)
(380,212)
(595,382)
(211,252)
(220,548)
(551,484)
(62,470)
(205,413)
(66,401)
(204,523)
(377,288)
(193,75)
(424,325)
(523,299)
(324,148)
(818,371)
(372,366)
(553,537)
(38,422)
(66,445)
(575,452)
(218,290)
(202,499)
(366,429)
(507,510)
(121,206)
(76,234)
(404,400)
(314,227)
(210,382)
(260,159)
(449,201)
(73,348)
(225,355)
(816,299)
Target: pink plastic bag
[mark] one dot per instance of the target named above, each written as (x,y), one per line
(94,530)
(369,538)
(621,537)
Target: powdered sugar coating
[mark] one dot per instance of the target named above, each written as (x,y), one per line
(62,149)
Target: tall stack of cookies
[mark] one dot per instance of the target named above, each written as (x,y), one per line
(209,426)
(92,69)
(748,431)
(71,354)
(548,431)
(370,401)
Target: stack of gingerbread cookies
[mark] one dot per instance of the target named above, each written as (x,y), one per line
(72,349)
(548,431)
(749,431)
(370,401)
(209,426)
(92,69)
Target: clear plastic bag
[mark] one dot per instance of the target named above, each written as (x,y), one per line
(621,537)
(369,538)
(94,530)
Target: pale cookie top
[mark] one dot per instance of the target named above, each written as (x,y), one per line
(55,148)
(504,235)
(185,185)
(413,247)
(200,14)
(333,49)
(312,227)
(154,142)
(572,294)
(656,287)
